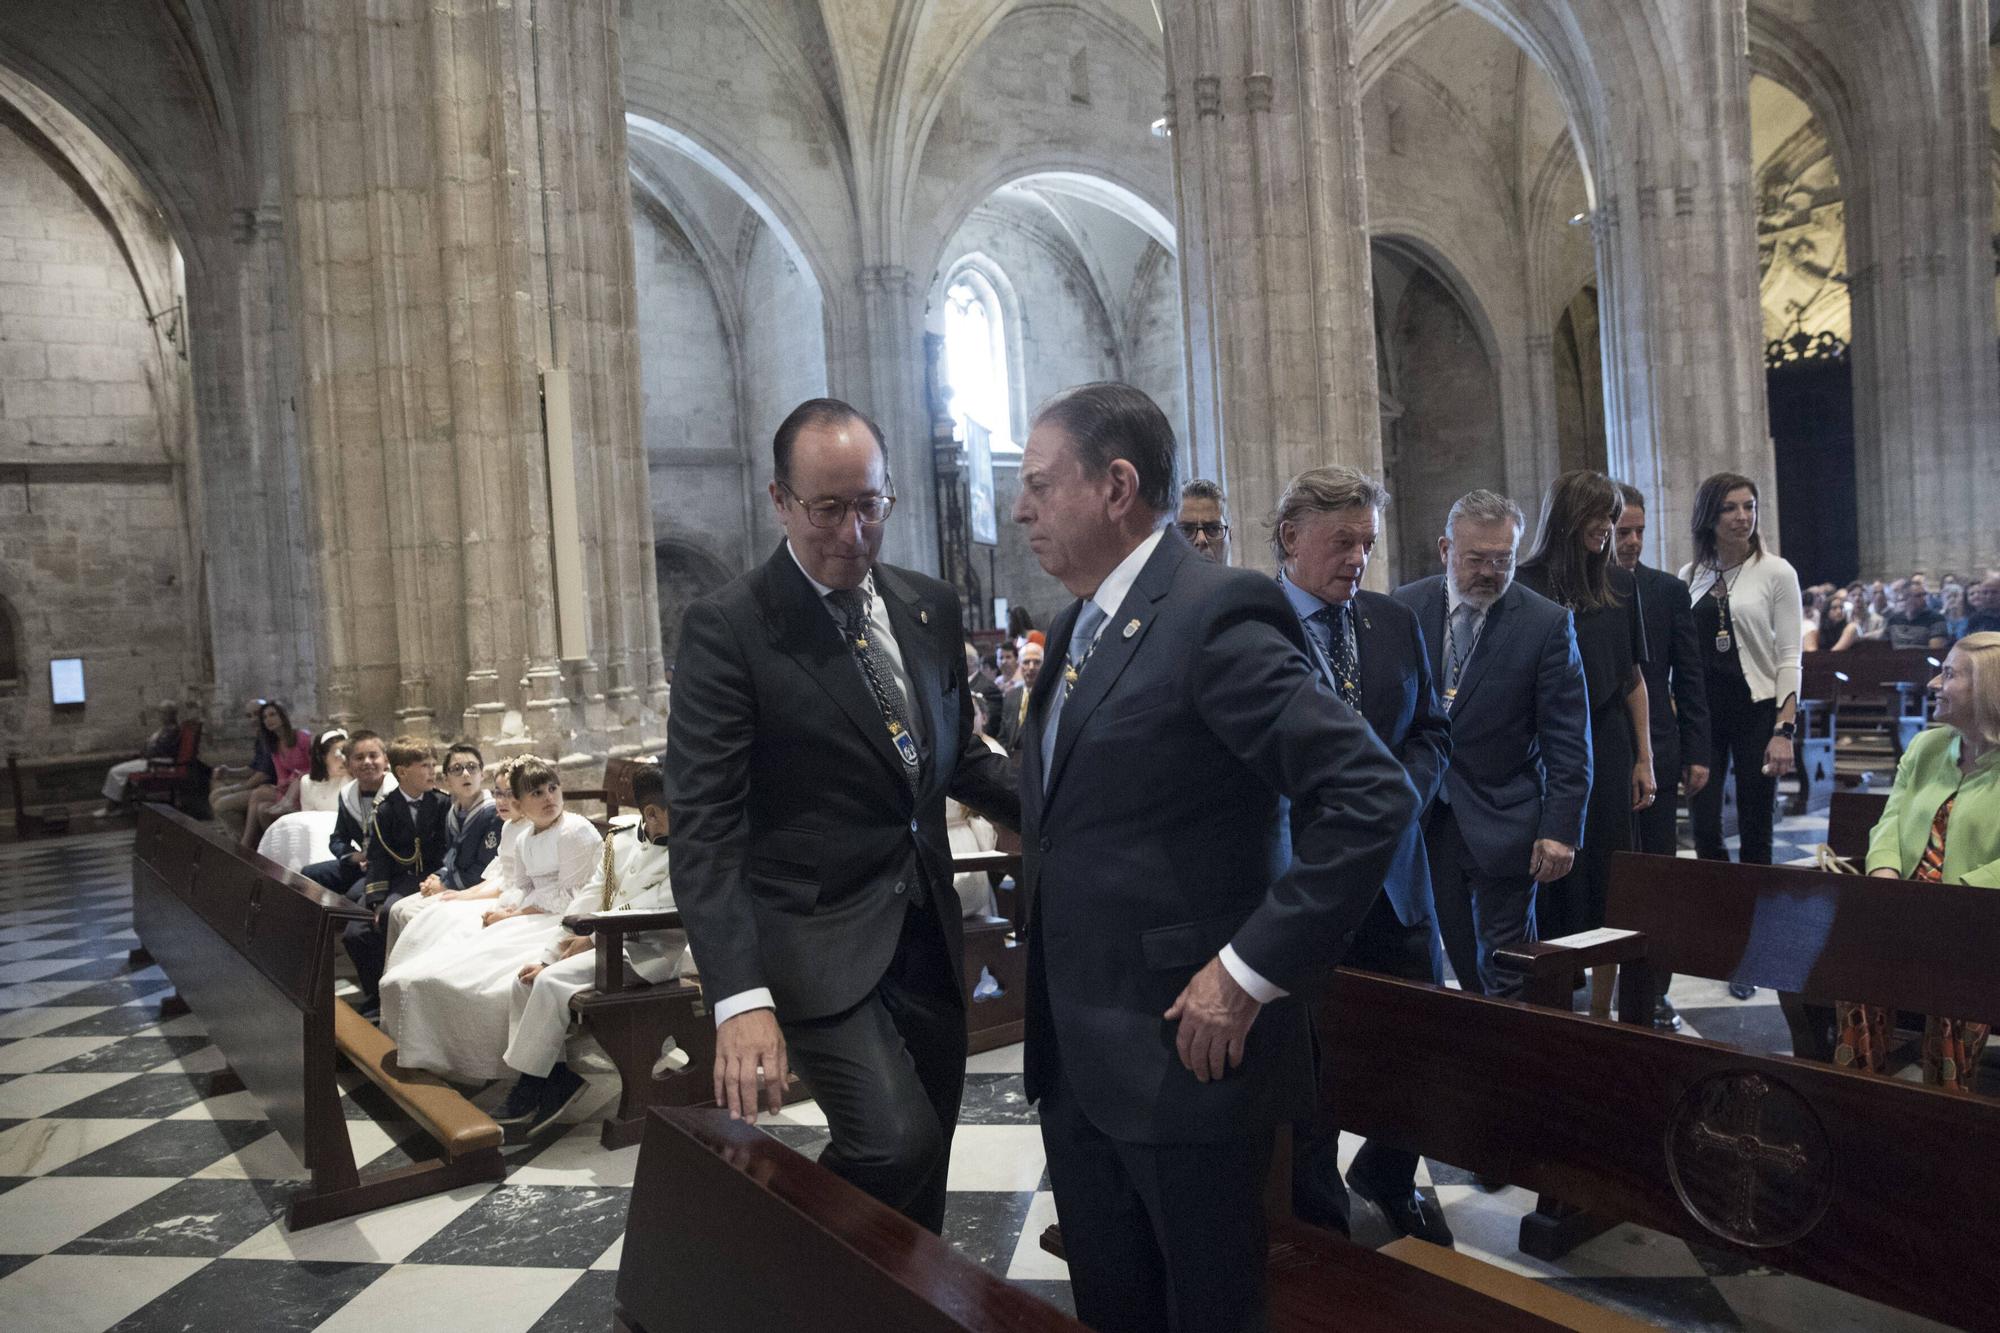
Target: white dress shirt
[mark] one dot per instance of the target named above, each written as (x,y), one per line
(759,997)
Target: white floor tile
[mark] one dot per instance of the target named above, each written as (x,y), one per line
(1633,1251)
(86,1293)
(207,1060)
(34,1022)
(611,1256)
(14,953)
(31,1095)
(1031,1261)
(578,1159)
(1000,1060)
(31,1055)
(231,1106)
(36,1147)
(996,1157)
(268,1158)
(385,1236)
(28,993)
(798,1113)
(34,969)
(453,1299)
(49,1213)
(1781,1303)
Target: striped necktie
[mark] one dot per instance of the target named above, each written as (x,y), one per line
(1082,642)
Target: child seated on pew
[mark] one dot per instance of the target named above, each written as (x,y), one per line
(631,877)
(447,1005)
(476,833)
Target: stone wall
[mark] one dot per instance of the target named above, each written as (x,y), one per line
(93,531)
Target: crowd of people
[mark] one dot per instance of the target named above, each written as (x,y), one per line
(1223,783)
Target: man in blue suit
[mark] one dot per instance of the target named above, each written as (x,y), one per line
(1170,933)
(1370,651)
(1510,813)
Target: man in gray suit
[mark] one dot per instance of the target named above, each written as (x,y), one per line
(1510,813)
(1170,933)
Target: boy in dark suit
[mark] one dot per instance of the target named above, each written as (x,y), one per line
(407,842)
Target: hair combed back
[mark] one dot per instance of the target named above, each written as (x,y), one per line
(1634,497)
(649,787)
(1107,421)
(1579,578)
(407,750)
(1323,490)
(1484,507)
(818,412)
(1201,488)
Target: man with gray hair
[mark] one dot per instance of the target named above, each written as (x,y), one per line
(1369,650)
(1204,519)
(1510,813)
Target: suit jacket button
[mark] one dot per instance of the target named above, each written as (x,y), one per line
(899,886)
(913,826)
(1045,844)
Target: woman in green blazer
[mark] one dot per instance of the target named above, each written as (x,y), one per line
(1941,826)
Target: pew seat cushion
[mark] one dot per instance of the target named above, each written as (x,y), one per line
(458,1126)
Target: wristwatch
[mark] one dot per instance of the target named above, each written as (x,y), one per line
(1789,730)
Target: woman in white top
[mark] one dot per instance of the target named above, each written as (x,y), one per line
(1747,618)
(448,1006)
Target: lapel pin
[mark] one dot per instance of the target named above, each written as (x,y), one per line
(923,616)
(1131,627)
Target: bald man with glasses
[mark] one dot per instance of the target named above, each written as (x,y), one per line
(821,717)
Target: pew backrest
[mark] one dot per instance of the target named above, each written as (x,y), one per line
(1851,817)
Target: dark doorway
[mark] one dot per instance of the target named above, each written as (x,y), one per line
(1811,393)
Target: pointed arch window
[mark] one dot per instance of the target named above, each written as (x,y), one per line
(977,356)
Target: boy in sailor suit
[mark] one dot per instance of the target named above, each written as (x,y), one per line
(633,877)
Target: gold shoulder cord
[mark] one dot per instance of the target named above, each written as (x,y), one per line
(610,876)
(416,856)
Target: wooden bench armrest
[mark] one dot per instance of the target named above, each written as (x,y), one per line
(620,924)
(1006,863)
(1549,964)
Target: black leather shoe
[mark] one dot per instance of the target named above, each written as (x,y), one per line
(1741,991)
(1407,1212)
(1665,1017)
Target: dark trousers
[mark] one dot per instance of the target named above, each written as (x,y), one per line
(1382,944)
(1476,912)
(889,1073)
(1739,729)
(336,876)
(1161,1238)
(367,942)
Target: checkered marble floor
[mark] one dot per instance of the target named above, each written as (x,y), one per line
(130,1200)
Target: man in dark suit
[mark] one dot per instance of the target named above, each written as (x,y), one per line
(1370,651)
(820,718)
(1676,694)
(407,842)
(1510,813)
(368,782)
(984,688)
(1013,707)
(1170,933)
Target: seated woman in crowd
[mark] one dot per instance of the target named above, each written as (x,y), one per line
(474,828)
(162,744)
(447,1005)
(1956,613)
(631,876)
(1835,630)
(298,836)
(291,751)
(1941,826)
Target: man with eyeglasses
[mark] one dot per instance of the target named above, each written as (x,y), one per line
(1202,519)
(1510,813)
(821,717)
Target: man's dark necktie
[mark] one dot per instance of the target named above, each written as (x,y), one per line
(1328,625)
(852,603)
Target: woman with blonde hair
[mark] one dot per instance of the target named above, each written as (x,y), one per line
(1941,826)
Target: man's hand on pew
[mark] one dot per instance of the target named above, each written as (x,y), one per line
(1693,778)
(748,1043)
(1551,860)
(1215,1014)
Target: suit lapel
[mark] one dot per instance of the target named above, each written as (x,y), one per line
(802,628)
(1377,661)
(1431,616)
(1030,738)
(910,619)
(1115,648)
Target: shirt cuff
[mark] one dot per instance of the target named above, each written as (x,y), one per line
(742,1003)
(1262,991)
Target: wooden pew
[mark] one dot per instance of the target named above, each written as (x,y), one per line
(1850,819)
(1813,936)
(1851,1180)
(632,1018)
(730,1231)
(250,948)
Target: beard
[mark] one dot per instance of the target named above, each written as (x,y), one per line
(1480,594)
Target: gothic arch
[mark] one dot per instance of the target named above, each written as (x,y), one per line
(996,287)
(685,573)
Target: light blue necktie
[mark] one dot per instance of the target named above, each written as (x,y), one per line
(1082,640)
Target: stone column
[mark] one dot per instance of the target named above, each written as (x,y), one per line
(1266,116)
(892,327)
(1926,380)
(462,265)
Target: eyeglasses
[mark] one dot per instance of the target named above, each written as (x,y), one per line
(1499,564)
(1212,531)
(456,770)
(872,510)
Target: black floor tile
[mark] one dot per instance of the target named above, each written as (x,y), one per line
(532,1226)
(985,1225)
(168,1148)
(1690,1304)
(148,1096)
(134,1055)
(268,1296)
(584,1308)
(194,1218)
(995,1099)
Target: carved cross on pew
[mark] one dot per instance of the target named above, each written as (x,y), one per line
(1758,1163)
